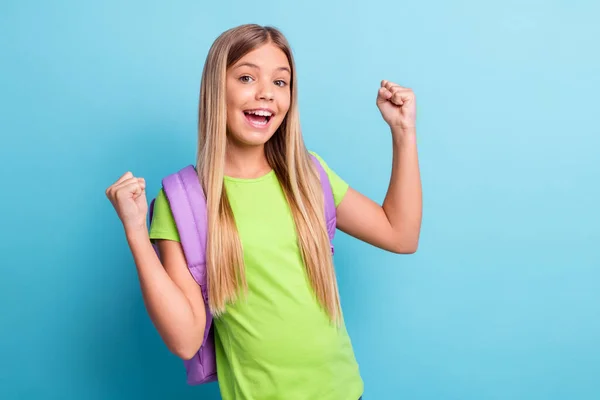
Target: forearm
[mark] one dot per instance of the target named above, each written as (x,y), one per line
(403,201)
(167,306)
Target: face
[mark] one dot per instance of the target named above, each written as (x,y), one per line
(258,96)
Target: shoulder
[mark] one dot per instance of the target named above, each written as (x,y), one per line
(161,203)
(322,162)
(338,185)
(163,225)
(314,153)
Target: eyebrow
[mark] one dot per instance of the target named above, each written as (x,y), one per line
(247,64)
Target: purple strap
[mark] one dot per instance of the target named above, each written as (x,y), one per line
(184,190)
(330,212)
(188,205)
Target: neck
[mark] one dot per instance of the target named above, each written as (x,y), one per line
(246,162)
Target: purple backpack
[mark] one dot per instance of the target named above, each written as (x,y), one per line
(188,205)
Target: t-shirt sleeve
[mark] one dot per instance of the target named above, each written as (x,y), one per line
(339,187)
(163,224)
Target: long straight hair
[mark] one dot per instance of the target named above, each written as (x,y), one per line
(287,155)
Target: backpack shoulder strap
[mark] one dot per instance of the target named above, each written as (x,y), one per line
(188,205)
(330,216)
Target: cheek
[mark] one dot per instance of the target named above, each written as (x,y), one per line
(284,104)
(235,102)
(285,107)
(237,96)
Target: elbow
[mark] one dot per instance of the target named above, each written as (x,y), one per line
(188,348)
(405,241)
(406,247)
(187,355)
(405,250)
(412,250)
(186,352)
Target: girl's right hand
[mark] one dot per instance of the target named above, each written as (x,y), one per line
(128,197)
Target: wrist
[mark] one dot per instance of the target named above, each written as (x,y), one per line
(402,135)
(136,235)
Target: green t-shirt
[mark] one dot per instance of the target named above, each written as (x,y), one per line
(277,343)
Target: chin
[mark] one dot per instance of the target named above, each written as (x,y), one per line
(250,139)
(251,136)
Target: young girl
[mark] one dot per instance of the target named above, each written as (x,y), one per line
(279,329)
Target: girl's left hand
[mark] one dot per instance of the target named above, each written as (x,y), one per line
(397,105)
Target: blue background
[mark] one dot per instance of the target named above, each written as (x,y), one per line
(502,300)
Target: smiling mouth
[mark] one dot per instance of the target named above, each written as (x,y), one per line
(258,118)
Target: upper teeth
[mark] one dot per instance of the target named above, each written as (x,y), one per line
(260,112)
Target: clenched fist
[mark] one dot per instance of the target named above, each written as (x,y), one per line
(397,105)
(128,197)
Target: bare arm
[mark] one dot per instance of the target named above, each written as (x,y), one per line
(171,295)
(396,225)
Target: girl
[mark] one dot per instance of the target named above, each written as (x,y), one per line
(279,330)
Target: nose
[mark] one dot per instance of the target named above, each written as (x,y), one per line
(265,92)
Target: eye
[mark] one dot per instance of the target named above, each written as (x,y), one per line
(280,83)
(245,79)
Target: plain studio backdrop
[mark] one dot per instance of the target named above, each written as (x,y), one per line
(502,299)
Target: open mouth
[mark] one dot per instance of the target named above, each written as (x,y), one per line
(258,118)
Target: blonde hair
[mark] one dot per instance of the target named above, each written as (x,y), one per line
(289,158)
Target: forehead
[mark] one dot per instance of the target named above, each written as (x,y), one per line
(267,57)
